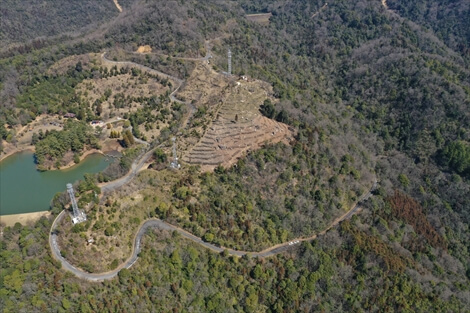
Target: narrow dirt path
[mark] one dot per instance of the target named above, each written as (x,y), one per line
(384,3)
(319,11)
(117,5)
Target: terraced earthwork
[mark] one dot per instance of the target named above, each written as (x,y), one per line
(237,128)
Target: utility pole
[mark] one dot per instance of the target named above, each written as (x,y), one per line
(229,55)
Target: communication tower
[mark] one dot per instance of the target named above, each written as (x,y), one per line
(175,163)
(78,216)
(229,56)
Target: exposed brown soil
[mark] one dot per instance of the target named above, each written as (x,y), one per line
(144,49)
(24,218)
(204,86)
(232,124)
(226,140)
(117,5)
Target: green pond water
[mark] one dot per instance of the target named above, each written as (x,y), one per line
(23,189)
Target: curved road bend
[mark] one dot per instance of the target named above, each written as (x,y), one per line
(139,162)
(157,223)
(135,168)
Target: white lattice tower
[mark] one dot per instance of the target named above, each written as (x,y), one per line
(175,163)
(76,213)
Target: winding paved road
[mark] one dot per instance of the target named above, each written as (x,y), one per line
(159,224)
(140,161)
(135,168)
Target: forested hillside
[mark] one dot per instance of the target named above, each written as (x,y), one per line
(372,89)
(450,20)
(349,269)
(27,20)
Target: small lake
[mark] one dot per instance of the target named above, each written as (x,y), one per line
(23,189)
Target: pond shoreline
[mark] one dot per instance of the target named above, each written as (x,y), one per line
(65,167)
(18,173)
(17,150)
(82,157)
(23,218)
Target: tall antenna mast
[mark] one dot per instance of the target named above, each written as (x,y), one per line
(78,216)
(175,163)
(229,55)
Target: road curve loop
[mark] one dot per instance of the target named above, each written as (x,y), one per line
(159,224)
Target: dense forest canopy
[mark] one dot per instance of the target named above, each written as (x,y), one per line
(372,89)
(52,146)
(450,20)
(27,20)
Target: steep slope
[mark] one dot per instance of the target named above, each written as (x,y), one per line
(450,20)
(25,20)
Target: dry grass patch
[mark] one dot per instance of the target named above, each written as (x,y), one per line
(227,122)
(204,86)
(122,89)
(144,49)
(63,65)
(237,128)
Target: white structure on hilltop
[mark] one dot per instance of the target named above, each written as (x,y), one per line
(229,56)
(78,216)
(174,163)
